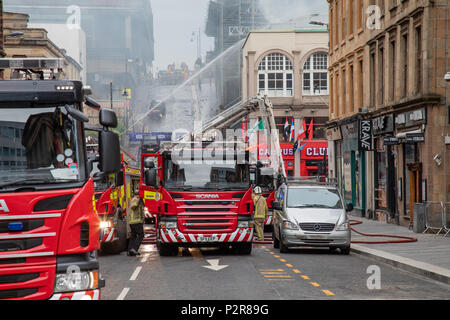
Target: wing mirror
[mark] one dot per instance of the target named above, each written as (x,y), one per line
(349,207)
(151,178)
(277,206)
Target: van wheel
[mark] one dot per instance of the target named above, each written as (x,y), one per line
(345,250)
(276,242)
(283,247)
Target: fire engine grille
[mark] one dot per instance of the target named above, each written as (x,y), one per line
(18,293)
(16,278)
(26,225)
(209,209)
(206,223)
(317,227)
(19,244)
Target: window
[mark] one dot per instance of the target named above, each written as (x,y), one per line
(275,76)
(280,123)
(351,102)
(418,48)
(360,84)
(315,74)
(392,67)
(319,129)
(404,71)
(372,78)
(380,75)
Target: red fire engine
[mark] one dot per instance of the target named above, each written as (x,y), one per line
(112,206)
(199,201)
(49,230)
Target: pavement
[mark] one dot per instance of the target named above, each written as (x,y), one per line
(429,256)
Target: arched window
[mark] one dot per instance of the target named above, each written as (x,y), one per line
(315,74)
(275,76)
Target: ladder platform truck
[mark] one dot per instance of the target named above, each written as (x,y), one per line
(200,188)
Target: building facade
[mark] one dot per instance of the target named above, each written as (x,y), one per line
(119,37)
(228,22)
(291,68)
(388,113)
(34,43)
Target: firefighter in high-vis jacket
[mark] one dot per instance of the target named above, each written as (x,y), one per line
(136,221)
(261,212)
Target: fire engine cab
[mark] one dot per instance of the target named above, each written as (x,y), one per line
(49,229)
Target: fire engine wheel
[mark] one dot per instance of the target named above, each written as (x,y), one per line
(167,249)
(119,245)
(244,248)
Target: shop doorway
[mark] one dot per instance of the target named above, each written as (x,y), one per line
(413,188)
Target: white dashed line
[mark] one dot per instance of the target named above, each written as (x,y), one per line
(123,294)
(135,273)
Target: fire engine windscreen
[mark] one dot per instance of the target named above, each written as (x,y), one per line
(40,146)
(193,176)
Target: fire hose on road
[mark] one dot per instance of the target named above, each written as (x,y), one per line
(401,239)
(151,236)
(404,239)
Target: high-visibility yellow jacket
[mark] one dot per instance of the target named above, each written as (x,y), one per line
(261,209)
(137,211)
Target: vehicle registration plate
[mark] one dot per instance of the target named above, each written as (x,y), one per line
(315,236)
(208,239)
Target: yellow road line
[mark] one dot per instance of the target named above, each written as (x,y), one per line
(328,293)
(315,284)
(297,271)
(276,256)
(305,277)
(273,273)
(271,270)
(278,276)
(282,260)
(289,265)
(285,279)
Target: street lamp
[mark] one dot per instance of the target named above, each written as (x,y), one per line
(318,23)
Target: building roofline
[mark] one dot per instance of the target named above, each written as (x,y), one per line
(302,30)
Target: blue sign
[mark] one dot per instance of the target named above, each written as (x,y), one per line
(139,136)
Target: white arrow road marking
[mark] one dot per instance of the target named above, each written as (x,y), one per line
(214,265)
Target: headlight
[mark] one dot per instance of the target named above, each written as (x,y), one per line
(105,224)
(343,227)
(289,225)
(245,224)
(76,281)
(168,225)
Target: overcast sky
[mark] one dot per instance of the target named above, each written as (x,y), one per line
(176,20)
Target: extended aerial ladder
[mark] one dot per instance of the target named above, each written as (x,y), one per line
(236,113)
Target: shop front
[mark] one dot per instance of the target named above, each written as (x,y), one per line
(314,158)
(384,167)
(356,142)
(410,131)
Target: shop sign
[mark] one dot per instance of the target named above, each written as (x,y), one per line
(390,141)
(365,135)
(286,151)
(410,118)
(383,124)
(316,151)
(350,130)
(334,134)
(414,137)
